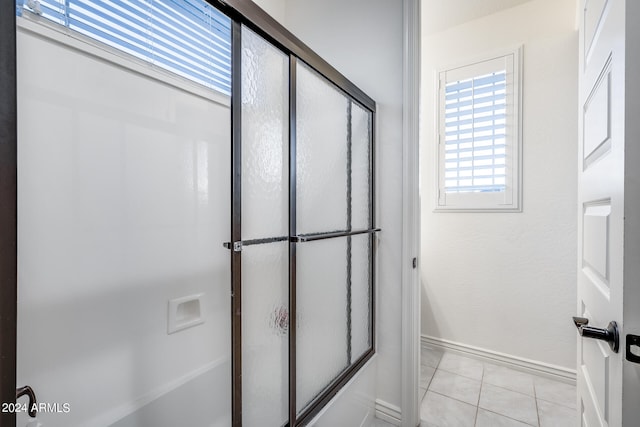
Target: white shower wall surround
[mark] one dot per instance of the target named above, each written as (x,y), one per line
(123,200)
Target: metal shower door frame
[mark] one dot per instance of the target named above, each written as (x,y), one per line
(248,14)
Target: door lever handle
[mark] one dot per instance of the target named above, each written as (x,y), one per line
(610,334)
(27,390)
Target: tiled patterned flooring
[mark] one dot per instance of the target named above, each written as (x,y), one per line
(457,391)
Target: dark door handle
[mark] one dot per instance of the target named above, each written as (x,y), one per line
(632,340)
(609,335)
(26,390)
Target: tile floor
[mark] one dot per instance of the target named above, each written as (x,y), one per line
(379,423)
(457,391)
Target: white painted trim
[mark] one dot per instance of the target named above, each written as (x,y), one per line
(388,412)
(535,367)
(410,225)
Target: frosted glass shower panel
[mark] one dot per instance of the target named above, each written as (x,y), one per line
(360,313)
(265,334)
(321,153)
(360,167)
(322,316)
(265,141)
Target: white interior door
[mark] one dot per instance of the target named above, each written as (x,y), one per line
(606,199)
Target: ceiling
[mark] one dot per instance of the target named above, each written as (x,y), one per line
(438,15)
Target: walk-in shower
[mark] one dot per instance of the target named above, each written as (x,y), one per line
(196,230)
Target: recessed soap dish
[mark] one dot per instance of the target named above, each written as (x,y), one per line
(184,313)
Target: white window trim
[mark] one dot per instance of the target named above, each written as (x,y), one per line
(511,199)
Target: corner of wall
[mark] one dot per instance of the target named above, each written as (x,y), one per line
(488,271)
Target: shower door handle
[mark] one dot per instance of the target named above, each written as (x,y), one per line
(28,391)
(332,234)
(610,334)
(237,246)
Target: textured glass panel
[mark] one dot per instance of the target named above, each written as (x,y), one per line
(265,143)
(322,127)
(322,313)
(265,326)
(360,160)
(360,295)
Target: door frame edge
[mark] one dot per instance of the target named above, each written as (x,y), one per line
(410,404)
(8,209)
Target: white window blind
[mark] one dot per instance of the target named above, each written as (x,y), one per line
(478,150)
(187,37)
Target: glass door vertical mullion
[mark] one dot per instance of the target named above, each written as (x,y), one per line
(292,244)
(372,237)
(349,226)
(236,229)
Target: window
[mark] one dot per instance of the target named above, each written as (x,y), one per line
(479,136)
(187,37)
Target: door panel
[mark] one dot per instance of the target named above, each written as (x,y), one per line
(334,300)
(360,296)
(593,12)
(360,167)
(321,154)
(322,323)
(597,119)
(265,138)
(265,215)
(601,207)
(265,334)
(596,243)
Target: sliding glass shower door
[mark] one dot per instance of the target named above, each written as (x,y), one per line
(264,185)
(303,234)
(333,225)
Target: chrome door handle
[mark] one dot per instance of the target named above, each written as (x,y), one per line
(27,390)
(610,334)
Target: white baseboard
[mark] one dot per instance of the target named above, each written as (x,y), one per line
(535,367)
(388,412)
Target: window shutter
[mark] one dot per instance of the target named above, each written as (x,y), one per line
(479,142)
(475,124)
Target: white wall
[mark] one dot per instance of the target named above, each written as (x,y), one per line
(123,204)
(275,8)
(363,40)
(506,282)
